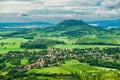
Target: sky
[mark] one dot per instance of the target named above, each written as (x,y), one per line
(55,11)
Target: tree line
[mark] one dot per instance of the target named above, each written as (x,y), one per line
(40,44)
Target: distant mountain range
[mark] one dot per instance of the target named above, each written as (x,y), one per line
(103,23)
(69,28)
(25,24)
(106,23)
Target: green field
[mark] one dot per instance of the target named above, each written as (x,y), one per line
(68,67)
(114,39)
(75,66)
(11,40)
(11,44)
(24,61)
(6,32)
(83,46)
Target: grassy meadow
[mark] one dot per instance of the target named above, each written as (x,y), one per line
(75,66)
(70,66)
(114,39)
(72,46)
(11,44)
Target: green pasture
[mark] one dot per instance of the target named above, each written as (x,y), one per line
(75,66)
(11,44)
(24,61)
(9,47)
(83,46)
(5,32)
(67,68)
(114,39)
(11,40)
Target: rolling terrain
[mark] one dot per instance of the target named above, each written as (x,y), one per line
(68,50)
(75,28)
(106,23)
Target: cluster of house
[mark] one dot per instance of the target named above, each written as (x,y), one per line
(36,64)
(57,54)
(69,53)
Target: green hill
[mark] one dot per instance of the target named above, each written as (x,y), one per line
(71,23)
(74,28)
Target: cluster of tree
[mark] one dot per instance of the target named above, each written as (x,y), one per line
(40,44)
(107,58)
(96,62)
(101,63)
(111,50)
(28,37)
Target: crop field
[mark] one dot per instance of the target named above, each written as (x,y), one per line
(24,61)
(5,32)
(74,66)
(68,67)
(10,47)
(114,39)
(11,44)
(11,40)
(83,46)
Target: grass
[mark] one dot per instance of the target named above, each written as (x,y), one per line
(65,39)
(50,70)
(24,61)
(10,46)
(114,39)
(75,66)
(83,46)
(67,68)
(45,78)
(71,66)
(8,64)
(88,38)
(5,32)
(11,40)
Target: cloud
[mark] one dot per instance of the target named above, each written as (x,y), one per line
(111,4)
(57,10)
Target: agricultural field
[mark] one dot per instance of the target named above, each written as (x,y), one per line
(72,46)
(11,44)
(75,66)
(108,39)
(67,68)
(5,32)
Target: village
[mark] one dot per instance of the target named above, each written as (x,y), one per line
(57,57)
